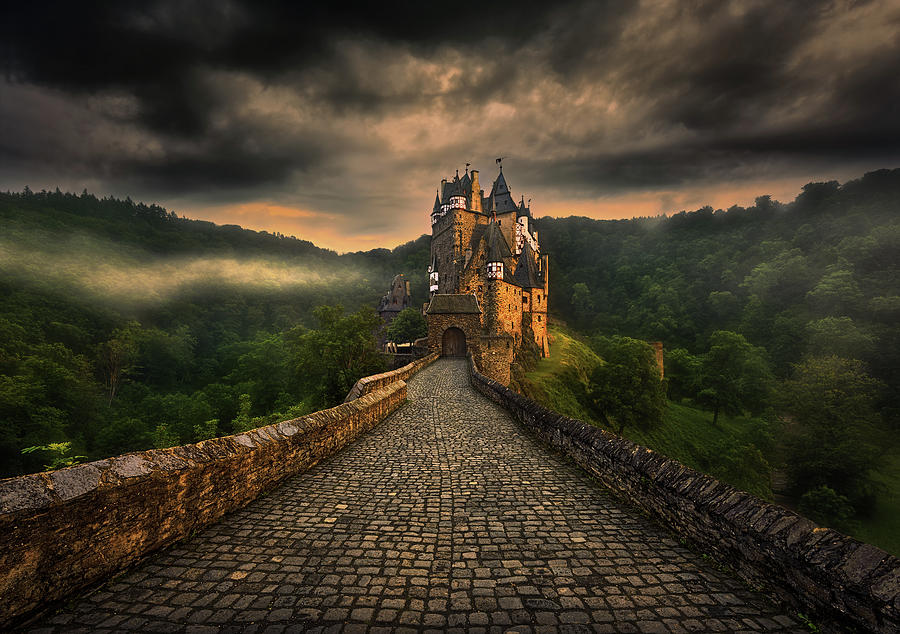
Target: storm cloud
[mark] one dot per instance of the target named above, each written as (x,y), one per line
(230,110)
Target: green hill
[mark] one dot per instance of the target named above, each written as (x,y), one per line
(741,451)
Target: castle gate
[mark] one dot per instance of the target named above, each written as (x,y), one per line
(453,343)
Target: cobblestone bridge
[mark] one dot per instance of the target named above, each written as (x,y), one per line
(446,516)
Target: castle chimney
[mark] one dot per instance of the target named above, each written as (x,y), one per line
(476,192)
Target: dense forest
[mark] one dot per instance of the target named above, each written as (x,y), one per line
(787,313)
(123,326)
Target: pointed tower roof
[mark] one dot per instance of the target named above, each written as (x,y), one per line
(437,203)
(523,210)
(497,250)
(503,201)
(527,274)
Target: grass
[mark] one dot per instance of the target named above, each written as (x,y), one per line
(727,452)
(882,527)
(736,452)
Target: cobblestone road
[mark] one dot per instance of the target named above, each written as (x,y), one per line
(446,516)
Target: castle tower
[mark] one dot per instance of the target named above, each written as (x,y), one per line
(485,268)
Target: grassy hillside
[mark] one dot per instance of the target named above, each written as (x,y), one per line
(735,452)
(740,451)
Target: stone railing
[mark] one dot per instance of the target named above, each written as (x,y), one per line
(63,530)
(377,381)
(835,580)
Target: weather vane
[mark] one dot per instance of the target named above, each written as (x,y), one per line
(500,163)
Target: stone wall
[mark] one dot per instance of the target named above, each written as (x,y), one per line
(369,384)
(835,580)
(64,530)
(495,357)
(469,323)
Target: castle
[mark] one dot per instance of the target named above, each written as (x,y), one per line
(488,279)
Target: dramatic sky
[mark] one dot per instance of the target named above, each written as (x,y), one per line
(337,126)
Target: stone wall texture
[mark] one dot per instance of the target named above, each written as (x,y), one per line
(369,384)
(63,530)
(838,582)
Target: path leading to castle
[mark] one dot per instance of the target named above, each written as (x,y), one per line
(447,515)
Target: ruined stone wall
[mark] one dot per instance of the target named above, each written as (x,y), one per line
(369,384)
(63,530)
(835,580)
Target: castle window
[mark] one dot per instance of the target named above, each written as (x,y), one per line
(480,289)
(495,270)
(539,317)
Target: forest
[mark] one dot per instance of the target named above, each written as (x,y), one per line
(124,326)
(785,318)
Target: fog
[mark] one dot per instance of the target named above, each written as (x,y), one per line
(129,277)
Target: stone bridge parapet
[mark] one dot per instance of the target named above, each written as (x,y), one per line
(369,384)
(835,580)
(63,530)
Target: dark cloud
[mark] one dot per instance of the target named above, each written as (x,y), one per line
(308,106)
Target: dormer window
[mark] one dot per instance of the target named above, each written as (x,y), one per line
(495,270)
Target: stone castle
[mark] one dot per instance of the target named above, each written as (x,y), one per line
(488,279)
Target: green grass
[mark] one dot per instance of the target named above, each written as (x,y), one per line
(558,382)
(736,452)
(882,528)
(686,434)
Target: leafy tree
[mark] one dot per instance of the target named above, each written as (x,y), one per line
(835,293)
(206,429)
(826,506)
(117,357)
(332,357)
(839,336)
(682,373)
(626,389)
(407,326)
(832,435)
(242,422)
(734,375)
(60,454)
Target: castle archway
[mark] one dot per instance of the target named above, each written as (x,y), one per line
(453,343)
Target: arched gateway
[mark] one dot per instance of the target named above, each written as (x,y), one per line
(453,343)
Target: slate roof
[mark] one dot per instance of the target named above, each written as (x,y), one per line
(453,304)
(523,210)
(500,197)
(527,274)
(497,249)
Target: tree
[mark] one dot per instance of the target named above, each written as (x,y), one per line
(331,358)
(626,389)
(841,337)
(407,326)
(734,375)
(117,356)
(832,434)
(682,373)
